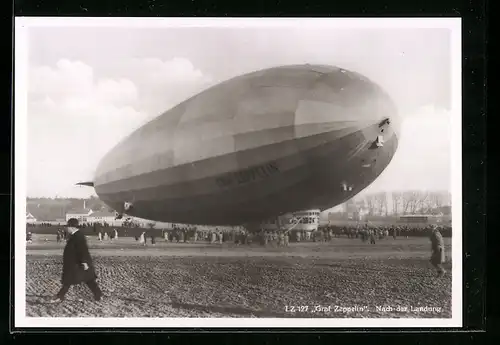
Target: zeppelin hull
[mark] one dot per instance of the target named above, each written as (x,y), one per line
(267,143)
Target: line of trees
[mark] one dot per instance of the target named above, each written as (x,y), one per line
(401,203)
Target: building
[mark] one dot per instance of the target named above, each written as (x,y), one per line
(30,219)
(102,217)
(80,214)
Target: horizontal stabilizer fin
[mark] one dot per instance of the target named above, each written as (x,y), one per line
(88,184)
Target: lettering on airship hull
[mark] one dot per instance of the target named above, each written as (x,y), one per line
(247,175)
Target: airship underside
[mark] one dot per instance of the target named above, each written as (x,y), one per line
(256,146)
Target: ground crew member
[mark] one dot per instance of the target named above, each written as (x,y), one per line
(438,255)
(373,236)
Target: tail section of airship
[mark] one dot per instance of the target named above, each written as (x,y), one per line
(256,146)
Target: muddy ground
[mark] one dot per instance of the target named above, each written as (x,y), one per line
(343,278)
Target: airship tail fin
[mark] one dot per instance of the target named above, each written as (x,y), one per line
(88,184)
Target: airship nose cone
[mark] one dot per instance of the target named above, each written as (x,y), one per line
(345,101)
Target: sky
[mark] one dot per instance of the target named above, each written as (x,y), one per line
(90,87)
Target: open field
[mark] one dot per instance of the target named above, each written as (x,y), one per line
(212,280)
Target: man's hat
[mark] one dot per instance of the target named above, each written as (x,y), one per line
(73,222)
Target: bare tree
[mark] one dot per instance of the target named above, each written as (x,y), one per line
(409,199)
(415,202)
(381,203)
(436,200)
(370,201)
(421,202)
(397,202)
(385,203)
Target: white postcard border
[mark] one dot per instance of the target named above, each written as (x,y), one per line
(22,25)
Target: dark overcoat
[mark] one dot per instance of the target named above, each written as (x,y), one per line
(438,254)
(75,253)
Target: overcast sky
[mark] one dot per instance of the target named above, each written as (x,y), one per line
(89,87)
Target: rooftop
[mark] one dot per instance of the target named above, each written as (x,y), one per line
(103,214)
(80,211)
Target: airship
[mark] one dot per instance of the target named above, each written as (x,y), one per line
(254,147)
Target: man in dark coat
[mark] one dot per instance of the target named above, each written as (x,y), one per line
(77,264)
(438,255)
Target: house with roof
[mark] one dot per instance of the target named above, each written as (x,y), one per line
(102,217)
(80,214)
(30,218)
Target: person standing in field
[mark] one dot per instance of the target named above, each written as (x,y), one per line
(372,235)
(438,256)
(77,264)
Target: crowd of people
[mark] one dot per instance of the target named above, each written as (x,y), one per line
(192,234)
(366,233)
(43,225)
(382,231)
(61,235)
